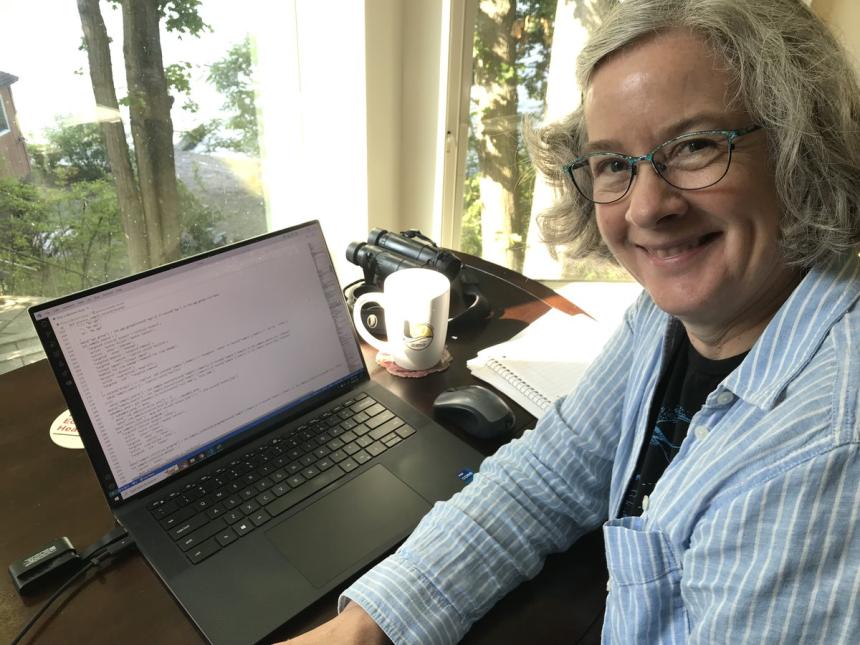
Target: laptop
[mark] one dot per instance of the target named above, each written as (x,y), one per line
(229,416)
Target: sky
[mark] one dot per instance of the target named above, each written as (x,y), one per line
(53,78)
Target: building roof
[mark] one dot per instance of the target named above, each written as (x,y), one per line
(7,79)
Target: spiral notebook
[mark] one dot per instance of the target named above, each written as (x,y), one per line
(543,362)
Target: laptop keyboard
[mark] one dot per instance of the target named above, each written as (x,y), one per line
(221,507)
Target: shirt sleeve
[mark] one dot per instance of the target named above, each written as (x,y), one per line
(779,563)
(535,496)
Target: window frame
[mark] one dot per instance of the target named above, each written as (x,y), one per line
(4,116)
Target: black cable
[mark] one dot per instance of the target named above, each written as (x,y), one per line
(113,544)
(54,596)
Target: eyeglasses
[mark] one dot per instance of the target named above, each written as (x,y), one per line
(691,161)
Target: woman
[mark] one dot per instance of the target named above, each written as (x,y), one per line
(716,156)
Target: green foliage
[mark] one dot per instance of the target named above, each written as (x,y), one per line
(72,153)
(232,76)
(57,240)
(470,226)
(200,224)
(178,77)
(182,16)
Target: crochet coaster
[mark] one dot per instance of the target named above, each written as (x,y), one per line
(386,361)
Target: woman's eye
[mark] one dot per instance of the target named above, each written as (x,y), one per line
(609,166)
(694,146)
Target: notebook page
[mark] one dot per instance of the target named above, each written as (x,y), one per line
(544,361)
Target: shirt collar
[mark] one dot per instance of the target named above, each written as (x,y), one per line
(796,331)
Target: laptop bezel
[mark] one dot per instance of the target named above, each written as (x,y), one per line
(81,417)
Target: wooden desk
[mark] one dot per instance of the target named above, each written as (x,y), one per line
(49,492)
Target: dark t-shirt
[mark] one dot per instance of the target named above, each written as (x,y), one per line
(681,392)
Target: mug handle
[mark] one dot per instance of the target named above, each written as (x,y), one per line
(370,339)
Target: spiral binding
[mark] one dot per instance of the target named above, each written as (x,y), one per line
(519,384)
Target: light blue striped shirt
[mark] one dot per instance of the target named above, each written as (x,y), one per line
(752,534)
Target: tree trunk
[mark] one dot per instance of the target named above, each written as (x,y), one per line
(497,132)
(151,127)
(101,75)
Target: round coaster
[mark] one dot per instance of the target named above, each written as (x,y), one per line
(64,433)
(386,361)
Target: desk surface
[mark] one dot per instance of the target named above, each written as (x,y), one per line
(49,492)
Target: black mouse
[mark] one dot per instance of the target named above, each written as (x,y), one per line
(476,410)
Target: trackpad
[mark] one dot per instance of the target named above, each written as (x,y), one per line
(346,525)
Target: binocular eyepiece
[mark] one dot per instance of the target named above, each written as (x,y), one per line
(386,252)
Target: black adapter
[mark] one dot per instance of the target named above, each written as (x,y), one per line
(58,559)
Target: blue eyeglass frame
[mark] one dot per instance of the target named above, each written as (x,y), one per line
(633,161)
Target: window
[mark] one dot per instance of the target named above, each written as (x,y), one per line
(523,57)
(231,133)
(4,120)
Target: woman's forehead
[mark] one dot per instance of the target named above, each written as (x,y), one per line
(665,82)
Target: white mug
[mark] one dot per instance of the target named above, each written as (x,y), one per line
(416,304)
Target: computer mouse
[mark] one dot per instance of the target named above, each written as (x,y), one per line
(476,410)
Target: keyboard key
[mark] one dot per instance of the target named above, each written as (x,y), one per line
(376,448)
(215,511)
(337,456)
(263,484)
(249,507)
(281,489)
(307,460)
(231,517)
(278,475)
(386,428)
(260,517)
(295,480)
(189,526)
(348,464)
(405,430)
(361,429)
(351,448)
(374,409)
(232,502)
(348,436)
(379,419)
(200,535)
(364,441)
(265,498)
(226,536)
(244,527)
(310,472)
(203,551)
(361,457)
(164,509)
(391,440)
(324,464)
(172,521)
(362,404)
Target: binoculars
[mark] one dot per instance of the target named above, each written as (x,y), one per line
(386,252)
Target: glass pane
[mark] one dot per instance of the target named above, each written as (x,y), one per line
(120,158)
(523,63)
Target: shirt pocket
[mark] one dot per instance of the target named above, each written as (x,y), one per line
(644,603)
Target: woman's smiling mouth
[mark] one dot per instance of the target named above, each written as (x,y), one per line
(679,248)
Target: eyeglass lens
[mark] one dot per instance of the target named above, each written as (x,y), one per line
(689,162)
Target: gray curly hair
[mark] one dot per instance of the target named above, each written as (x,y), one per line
(791,76)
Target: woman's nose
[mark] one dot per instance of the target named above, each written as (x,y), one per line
(652,200)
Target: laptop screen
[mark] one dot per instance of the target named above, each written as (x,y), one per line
(175,365)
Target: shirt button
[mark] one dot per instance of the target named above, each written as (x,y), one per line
(724,398)
(645,503)
(701,433)
(609,585)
